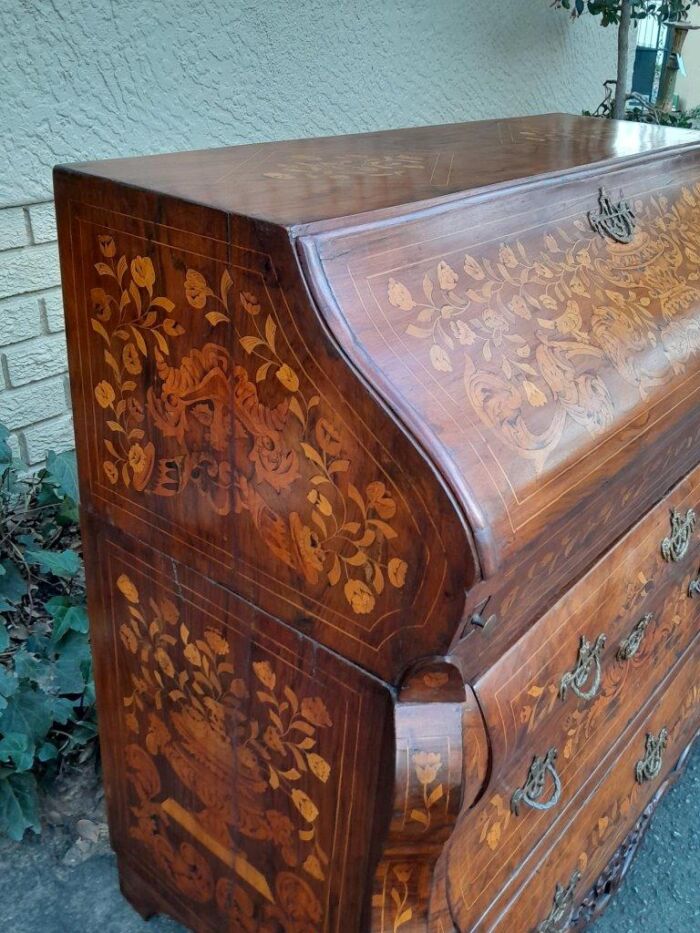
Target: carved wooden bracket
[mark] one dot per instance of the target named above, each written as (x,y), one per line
(441,765)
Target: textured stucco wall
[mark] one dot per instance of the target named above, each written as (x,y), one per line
(85,80)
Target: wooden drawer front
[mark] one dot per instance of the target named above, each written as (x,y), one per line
(521,696)
(489,861)
(576,855)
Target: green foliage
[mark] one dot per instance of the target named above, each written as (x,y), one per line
(609,10)
(47,699)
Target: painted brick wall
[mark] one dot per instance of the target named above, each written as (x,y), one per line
(34,397)
(86,80)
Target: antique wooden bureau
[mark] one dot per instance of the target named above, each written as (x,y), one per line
(389,455)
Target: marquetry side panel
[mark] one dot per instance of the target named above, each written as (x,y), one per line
(206,420)
(238,784)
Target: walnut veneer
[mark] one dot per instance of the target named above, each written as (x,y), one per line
(388,452)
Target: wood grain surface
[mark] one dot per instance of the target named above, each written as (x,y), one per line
(388,453)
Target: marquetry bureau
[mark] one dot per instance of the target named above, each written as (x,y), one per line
(389,453)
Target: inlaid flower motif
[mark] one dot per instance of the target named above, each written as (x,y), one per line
(328,437)
(104,393)
(314,710)
(307,548)
(131,360)
(447,277)
(196,289)
(379,499)
(440,359)
(396,571)
(518,306)
(507,257)
(111,471)
(360,596)
(427,765)
(192,874)
(142,272)
(472,267)
(216,642)
(107,245)
(275,462)
(100,304)
(399,296)
(265,674)
(462,332)
(138,460)
(127,588)
(282,833)
(250,303)
(288,377)
(271,738)
(134,409)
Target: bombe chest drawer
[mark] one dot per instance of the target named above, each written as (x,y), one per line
(388,450)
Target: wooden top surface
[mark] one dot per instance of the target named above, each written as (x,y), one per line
(318,179)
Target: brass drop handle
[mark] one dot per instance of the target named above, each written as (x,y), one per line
(675,546)
(694,587)
(648,767)
(587,664)
(631,645)
(533,788)
(559,916)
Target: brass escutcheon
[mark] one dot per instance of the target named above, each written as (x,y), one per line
(630,646)
(557,921)
(675,546)
(587,662)
(648,767)
(614,219)
(532,789)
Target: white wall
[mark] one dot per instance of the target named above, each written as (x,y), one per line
(85,80)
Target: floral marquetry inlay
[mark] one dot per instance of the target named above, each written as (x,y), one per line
(543,332)
(237,432)
(191,708)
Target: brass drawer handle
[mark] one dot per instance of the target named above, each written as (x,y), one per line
(694,587)
(630,646)
(587,662)
(675,546)
(648,767)
(533,788)
(562,907)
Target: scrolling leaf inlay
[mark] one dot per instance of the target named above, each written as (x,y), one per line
(540,334)
(250,438)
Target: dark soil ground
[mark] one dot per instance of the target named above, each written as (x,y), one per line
(66,880)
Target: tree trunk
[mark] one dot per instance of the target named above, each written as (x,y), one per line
(623,48)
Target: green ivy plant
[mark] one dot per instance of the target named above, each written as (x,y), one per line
(47,695)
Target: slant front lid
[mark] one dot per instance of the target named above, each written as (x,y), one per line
(541,343)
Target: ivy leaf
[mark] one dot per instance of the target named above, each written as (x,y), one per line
(17,748)
(13,586)
(19,804)
(28,711)
(74,619)
(62,470)
(63,564)
(4,635)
